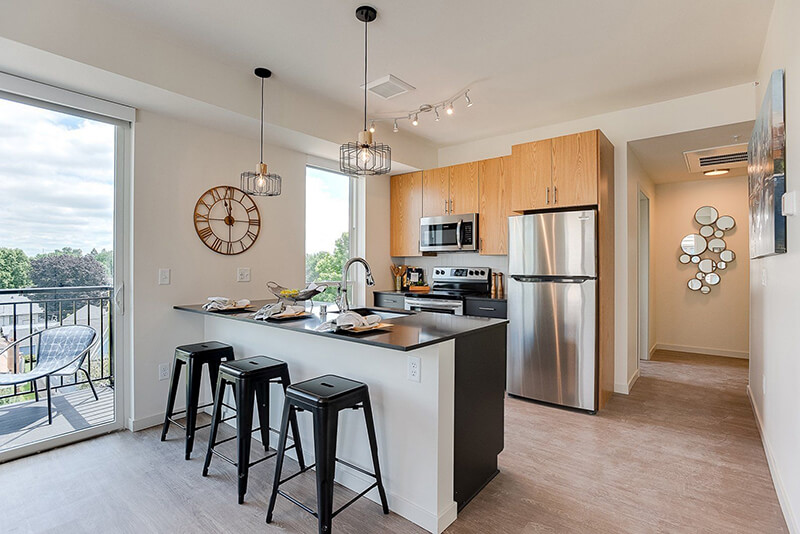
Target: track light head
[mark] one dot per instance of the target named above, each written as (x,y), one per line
(449,109)
(466,97)
(416,119)
(436,112)
(372,127)
(395,128)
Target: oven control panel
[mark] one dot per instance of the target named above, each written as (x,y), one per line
(462,274)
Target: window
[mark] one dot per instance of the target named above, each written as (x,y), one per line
(330,226)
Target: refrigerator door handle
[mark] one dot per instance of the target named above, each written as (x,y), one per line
(560,280)
(458,232)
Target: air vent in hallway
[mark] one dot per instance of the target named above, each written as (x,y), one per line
(730,157)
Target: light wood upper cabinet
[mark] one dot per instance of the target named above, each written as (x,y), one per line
(531,180)
(575,170)
(406,209)
(435,192)
(464,188)
(495,204)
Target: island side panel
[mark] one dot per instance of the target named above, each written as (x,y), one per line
(480,375)
(413,420)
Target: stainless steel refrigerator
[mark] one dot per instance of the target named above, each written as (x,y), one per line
(552,308)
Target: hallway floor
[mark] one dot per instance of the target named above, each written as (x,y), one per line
(680,454)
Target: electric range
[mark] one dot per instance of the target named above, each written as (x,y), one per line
(449,288)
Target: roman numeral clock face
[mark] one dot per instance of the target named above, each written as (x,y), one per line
(227,220)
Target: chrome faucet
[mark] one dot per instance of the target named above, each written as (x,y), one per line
(341,300)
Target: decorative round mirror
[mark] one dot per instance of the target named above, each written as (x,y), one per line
(721,265)
(705,290)
(727,256)
(719,233)
(695,259)
(706,265)
(706,215)
(712,279)
(707,231)
(725,223)
(694,244)
(716,245)
(695,284)
(700,276)
(684,258)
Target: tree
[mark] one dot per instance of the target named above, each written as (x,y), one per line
(64,269)
(327,267)
(106,257)
(15,268)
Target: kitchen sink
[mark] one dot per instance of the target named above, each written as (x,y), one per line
(384,314)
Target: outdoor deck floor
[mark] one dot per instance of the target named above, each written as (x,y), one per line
(23,423)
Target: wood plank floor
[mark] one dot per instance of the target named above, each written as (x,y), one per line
(680,454)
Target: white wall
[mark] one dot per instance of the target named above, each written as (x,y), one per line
(775,308)
(714,108)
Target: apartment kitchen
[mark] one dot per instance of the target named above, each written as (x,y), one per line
(465,269)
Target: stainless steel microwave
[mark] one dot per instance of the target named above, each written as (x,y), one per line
(449,233)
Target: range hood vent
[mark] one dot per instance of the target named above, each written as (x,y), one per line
(388,87)
(728,157)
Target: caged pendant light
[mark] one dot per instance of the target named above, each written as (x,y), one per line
(261,183)
(365,158)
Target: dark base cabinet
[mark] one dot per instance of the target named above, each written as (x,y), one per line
(389,300)
(480,375)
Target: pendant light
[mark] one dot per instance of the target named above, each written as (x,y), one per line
(261,183)
(365,158)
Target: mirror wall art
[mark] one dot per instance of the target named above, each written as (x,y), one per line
(707,249)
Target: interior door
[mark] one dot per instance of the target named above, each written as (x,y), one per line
(531,180)
(464,188)
(551,351)
(575,170)
(436,192)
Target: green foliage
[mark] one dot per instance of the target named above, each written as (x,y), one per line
(326,267)
(15,268)
(65,268)
(106,257)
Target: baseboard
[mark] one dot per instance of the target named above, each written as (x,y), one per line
(625,388)
(783,498)
(704,350)
(135,425)
(652,350)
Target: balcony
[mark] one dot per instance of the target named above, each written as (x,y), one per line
(23,419)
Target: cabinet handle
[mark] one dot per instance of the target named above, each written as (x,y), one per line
(485,308)
(481,247)
(555,194)
(451,205)
(445,206)
(547,196)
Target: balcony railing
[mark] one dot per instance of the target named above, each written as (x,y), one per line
(28,310)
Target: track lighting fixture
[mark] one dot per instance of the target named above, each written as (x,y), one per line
(436,112)
(372,127)
(466,97)
(416,119)
(413,115)
(396,128)
(449,109)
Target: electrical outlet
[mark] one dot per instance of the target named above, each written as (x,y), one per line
(163,371)
(414,369)
(243,274)
(163,277)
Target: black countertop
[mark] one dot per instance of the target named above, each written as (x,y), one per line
(409,330)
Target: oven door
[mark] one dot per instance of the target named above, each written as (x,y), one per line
(453,307)
(448,233)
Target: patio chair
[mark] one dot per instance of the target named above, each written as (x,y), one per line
(60,351)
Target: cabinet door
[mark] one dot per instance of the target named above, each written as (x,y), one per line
(464,188)
(495,204)
(531,179)
(575,169)
(435,192)
(406,209)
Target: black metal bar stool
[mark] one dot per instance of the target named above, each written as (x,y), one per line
(250,379)
(194,356)
(325,397)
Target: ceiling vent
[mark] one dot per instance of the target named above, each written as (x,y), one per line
(728,157)
(388,87)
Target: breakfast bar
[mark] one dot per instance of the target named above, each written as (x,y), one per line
(437,387)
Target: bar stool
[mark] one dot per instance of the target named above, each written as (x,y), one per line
(325,397)
(250,378)
(194,356)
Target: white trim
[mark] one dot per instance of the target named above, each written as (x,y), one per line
(652,351)
(55,95)
(780,489)
(704,350)
(625,389)
(135,425)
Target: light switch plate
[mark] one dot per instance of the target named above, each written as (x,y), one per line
(163,277)
(243,274)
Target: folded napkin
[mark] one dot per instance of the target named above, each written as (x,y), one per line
(349,320)
(224,303)
(277,308)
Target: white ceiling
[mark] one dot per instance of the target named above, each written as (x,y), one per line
(529,63)
(662,157)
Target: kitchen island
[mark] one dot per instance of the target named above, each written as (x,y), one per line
(438,438)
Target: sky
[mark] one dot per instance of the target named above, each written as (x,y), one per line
(56,180)
(327,208)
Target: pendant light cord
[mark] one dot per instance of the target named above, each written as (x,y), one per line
(366,23)
(262,120)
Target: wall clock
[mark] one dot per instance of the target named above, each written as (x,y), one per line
(227,220)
